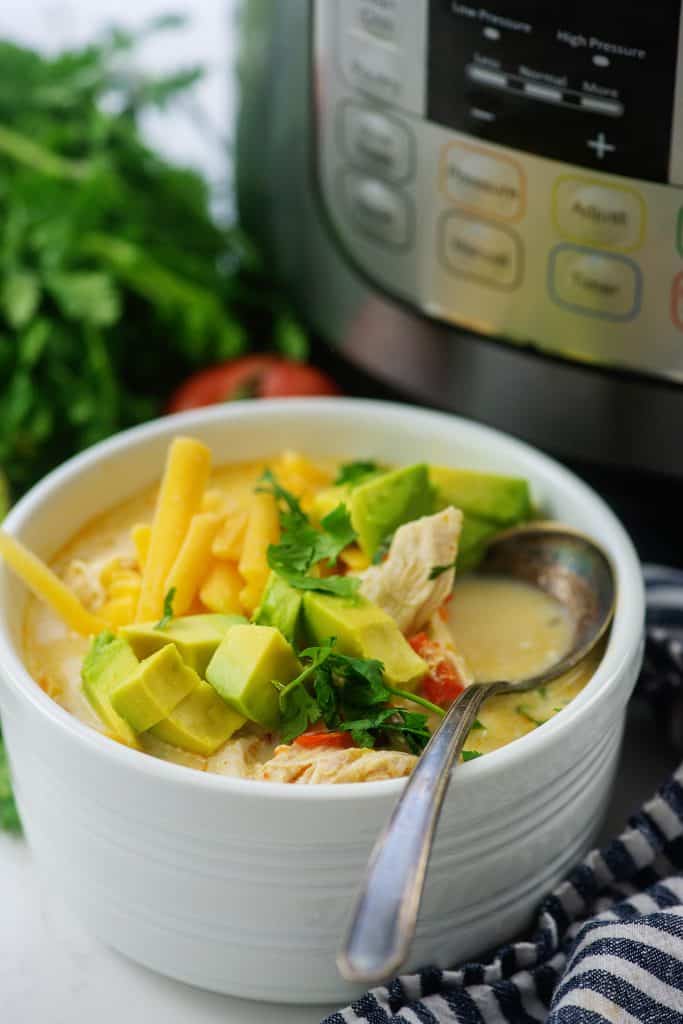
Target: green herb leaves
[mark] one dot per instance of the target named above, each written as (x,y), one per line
(9,817)
(470,755)
(353,473)
(166,618)
(302,547)
(349,695)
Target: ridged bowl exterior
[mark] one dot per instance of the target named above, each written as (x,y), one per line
(244,887)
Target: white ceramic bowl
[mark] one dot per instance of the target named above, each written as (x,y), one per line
(245,887)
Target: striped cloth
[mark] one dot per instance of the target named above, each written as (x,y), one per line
(608,942)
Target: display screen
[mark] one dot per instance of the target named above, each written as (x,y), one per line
(583,82)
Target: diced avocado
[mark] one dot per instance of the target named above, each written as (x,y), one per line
(156,687)
(363,630)
(243,669)
(474,537)
(280,607)
(383,503)
(504,499)
(201,723)
(326,501)
(109,661)
(195,636)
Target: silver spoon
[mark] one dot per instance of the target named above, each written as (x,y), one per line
(575,571)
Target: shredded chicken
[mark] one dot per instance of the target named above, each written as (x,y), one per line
(401,585)
(295,764)
(240,758)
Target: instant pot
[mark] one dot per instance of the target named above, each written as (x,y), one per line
(482,205)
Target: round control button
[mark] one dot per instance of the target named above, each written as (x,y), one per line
(595,214)
(594,283)
(375,142)
(480,251)
(483,181)
(379,211)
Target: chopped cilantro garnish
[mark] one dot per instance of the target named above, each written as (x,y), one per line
(9,817)
(302,546)
(543,692)
(476,724)
(353,472)
(166,618)
(350,695)
(469,755)
(439,570)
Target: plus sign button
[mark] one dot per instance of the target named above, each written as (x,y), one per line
(601,146)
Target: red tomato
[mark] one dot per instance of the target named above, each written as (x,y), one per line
(324,739)
(257,376)
(443,683)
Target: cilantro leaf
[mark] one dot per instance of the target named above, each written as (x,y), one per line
(439,570)
(337,534)
(269,484)
(353,472)
(526,712)
(476,724)
(342,586)
(383,549)
(469,755)
(300,710)
(167,617)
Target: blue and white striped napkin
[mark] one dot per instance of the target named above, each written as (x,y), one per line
(608,942)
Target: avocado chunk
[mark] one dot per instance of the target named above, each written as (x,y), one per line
(201,723)
(195,636)
(156,687)
(109,661)
(326,501)
(280,607)
(474,536)
(383,503)
(503,499)
(243,669)
(363,630)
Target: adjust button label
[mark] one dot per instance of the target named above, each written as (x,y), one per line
(483,181)
(480,251)
(588,212)
(595,284)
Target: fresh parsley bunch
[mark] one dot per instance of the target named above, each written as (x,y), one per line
(115,279)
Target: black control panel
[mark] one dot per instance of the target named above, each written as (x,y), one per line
(586,82)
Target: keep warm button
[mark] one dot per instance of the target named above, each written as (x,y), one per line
(480,251)
(595,284)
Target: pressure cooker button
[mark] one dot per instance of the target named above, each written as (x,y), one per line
(380,18)
(376,143)
(480,251)
(483,181)
(379,211)
(594,283)
(374,68)
(590,213)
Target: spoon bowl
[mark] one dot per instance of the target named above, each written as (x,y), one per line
(571,568)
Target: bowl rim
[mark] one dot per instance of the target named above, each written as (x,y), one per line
(623,652)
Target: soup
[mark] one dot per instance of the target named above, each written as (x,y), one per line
(298,621)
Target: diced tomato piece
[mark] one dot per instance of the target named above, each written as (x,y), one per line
(443,684)
(421,644)
(324,739)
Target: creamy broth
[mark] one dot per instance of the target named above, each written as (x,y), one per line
(510,630)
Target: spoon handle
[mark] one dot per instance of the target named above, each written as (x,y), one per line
(383,921)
